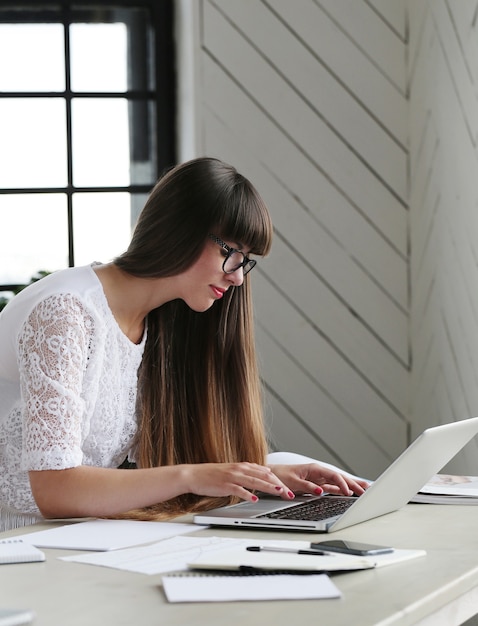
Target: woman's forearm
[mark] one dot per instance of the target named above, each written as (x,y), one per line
(87,491)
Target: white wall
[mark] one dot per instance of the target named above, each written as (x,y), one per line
(444,215)
(310,99)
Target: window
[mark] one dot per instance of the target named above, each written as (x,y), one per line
(86,124)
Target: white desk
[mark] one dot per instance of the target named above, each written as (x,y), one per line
(439,589)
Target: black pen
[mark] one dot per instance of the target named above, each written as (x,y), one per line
(280,549)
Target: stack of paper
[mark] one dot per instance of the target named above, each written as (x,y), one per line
(449,489)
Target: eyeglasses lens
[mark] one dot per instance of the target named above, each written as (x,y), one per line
(236,260)
(233,261)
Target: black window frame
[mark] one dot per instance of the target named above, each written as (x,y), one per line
(163,94)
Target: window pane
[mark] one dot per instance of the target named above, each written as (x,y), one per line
(98,57)
(101,226)
(142,142)
(100,142)
(32,142)
(34,235)
(138,200)
(38,54)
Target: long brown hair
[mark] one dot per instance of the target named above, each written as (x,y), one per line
(199,394)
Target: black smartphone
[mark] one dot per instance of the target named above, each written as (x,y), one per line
(350,547)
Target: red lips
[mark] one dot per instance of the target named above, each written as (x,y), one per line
(218,292)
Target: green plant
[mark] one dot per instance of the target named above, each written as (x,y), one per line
(36,277)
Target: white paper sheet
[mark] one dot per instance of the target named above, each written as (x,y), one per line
(102,534)
(239,588)
(164,556)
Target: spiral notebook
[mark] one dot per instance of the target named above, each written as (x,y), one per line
(17,551)
(217,588)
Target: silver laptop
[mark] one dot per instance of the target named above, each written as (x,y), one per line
(425,457)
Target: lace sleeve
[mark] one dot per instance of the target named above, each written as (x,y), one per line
(53,355)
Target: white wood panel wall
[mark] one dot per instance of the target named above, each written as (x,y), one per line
(308,98)
(357,120)
(443,55)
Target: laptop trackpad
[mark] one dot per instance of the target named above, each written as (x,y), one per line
(265,504)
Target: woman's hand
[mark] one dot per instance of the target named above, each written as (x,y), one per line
(87,491)
(315,478)
(234,479)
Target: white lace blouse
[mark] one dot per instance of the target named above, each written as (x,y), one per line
(68,379)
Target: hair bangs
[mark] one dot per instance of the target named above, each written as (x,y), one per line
(246,220)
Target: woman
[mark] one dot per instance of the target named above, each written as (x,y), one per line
(148,360)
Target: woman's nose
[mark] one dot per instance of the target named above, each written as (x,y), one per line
(237,277)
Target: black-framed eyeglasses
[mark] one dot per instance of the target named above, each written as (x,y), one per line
(234,258)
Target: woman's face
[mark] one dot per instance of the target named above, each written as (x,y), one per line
(205,281)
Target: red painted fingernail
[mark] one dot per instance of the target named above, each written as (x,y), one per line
(319,491)
(290,494)
(278,488)
(255,498)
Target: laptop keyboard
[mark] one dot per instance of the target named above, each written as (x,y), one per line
(313,511)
